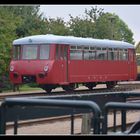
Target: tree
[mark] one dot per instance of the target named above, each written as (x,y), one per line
(85,26)
(32,21)
(81,27)
(98,24)
(110,26)
(94,13)
(8,24)
(56,26)
(15,22)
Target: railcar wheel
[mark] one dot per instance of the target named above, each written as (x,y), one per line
(69,88)
(90,86)
(110,85)
(48,90)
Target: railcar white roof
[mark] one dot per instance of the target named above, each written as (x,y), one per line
(55,39)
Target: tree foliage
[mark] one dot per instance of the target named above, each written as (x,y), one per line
(110,26)
(16,22)
(32,22)
(98,24)
(81,27)
(56,26)
(8,25)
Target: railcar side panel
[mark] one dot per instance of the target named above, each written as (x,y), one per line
(90,71)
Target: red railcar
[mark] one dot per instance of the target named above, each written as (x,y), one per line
(52,61)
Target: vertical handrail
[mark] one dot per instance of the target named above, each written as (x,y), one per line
(16,125)
(123,126)
(114,128)
(105,121)
(72,123)
(2,119)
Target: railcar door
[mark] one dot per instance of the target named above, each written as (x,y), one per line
(63,63)
(65,59)
(132,65)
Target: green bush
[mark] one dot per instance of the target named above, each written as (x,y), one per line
(5,83)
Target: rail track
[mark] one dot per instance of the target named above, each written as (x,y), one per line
(83,90)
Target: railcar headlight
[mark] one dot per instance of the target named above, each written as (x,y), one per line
(46,68)
(11,68)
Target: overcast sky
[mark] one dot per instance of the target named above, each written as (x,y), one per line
(130,14)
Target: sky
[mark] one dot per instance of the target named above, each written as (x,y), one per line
(130,14)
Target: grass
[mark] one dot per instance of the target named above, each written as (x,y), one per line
(24,87)
(28,88)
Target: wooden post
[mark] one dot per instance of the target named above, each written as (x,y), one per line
(15,87)
(86,123)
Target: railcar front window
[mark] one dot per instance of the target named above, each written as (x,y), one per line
(44,51)
(16,52)
(29,52)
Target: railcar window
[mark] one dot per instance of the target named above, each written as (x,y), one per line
(57,53)
(92,48)
(73,47)
(79,47)
(65,53)
(16,52)
(86,48)
(120,54)
(101,54)
(44,51)
(61,49)
(98,49)
(115,55)
(75,55)
(92,55)
(86,55)
(111,54)
(123,54)
(29,52)
(89,55)
(104,49)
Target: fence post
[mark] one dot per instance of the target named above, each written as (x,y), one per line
(2,120)
(123,126)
